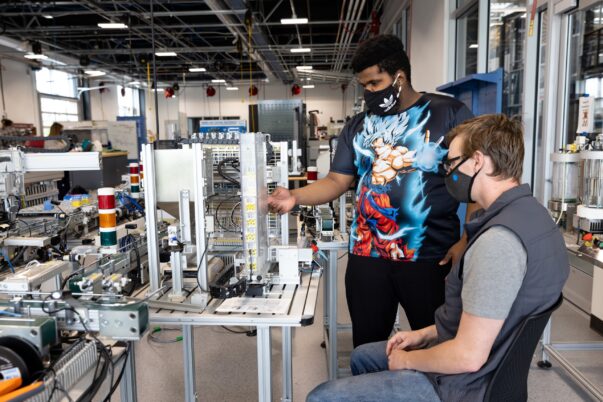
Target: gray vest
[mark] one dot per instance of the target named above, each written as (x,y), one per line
(547,271)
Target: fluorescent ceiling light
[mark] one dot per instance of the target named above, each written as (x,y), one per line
(197,69)
(112,25)
(308,86)
(304,68)
(218,81)
(292,21)
(48,17)
(232,88)
(33,56)
(301,50)
(95,73)
(473,46)
(165,54)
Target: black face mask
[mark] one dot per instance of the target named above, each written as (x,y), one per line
(383,102)
(459,184)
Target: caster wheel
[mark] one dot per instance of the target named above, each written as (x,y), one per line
(323,345)
(544,364)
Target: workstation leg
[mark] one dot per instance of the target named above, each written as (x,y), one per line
(264,369)
(332,313)
(188,342)
(127,388)
(287,366)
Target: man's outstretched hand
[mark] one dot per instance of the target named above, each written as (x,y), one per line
(281,200)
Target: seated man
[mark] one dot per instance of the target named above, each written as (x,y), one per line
(515,265)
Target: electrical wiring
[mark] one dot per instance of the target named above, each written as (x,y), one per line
(10,264)
(200,262)
(125,357)
(232,215)
(134,202)
(233,331)
(92,390)
(10,314)
(51,370)
(224,175)
(218,209)
(157,339)
(343,255)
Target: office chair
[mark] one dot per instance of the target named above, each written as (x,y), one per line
(510,380)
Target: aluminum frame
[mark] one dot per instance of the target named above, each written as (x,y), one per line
(150,202)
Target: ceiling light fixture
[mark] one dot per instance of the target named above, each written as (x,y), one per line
(165,54)
(112,25)
(232,88)
(33,56)
(48,17)
(308,86)
(95,73)
(293,21)
(218,81)
(197,69)
(473,46)
(304,68)
(301,50)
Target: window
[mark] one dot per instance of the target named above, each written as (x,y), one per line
(58,98)
(466,43)
(585,66)
(129,103)
(506,49)
(56,82)
(401,28)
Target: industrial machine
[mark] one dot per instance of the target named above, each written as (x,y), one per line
(576,205)
(67,267)
(70,266)
(228,244)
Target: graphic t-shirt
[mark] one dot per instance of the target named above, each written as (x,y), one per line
(403,211)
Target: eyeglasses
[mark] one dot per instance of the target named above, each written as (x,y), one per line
(448,164)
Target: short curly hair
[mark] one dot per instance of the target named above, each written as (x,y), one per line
(385,51)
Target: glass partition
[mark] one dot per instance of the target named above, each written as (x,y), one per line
(585,66)
(466,43)
(507,36)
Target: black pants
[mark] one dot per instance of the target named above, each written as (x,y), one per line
(375,286)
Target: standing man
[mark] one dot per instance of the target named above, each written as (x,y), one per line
(405,231)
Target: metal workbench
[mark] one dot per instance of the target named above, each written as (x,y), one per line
(300,313)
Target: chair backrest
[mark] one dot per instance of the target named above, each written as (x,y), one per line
(510,380)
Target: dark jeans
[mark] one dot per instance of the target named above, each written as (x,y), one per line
(375,287)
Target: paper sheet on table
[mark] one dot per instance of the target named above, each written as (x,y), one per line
(254,305)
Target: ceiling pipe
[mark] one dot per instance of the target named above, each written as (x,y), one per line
(266,59)
(344,31)
(339,67)
(59,14)
(341,21)
(87,28)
